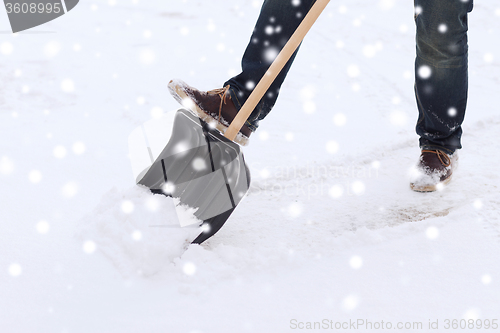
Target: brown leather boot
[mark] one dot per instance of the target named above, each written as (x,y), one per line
(433,171)
(214,107)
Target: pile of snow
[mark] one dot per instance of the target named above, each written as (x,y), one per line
(136,230)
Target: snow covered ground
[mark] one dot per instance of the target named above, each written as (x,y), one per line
(330,229)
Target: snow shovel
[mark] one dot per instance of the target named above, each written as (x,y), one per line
(206,170)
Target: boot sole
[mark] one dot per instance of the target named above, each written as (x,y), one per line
(180,96)
(429,188)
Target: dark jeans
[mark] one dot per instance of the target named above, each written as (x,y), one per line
(441,53)
(440,66)
(277,22)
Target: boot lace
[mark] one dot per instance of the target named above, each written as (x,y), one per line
(222,94)
(441,155)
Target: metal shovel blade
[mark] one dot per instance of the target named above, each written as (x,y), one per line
(201,168)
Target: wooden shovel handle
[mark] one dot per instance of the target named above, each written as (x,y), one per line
(275,68)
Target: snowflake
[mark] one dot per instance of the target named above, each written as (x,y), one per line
(432,232)
(452,112)
(137,235)
(51,49)
(43,227)
(350,303)
(89,247)
(332,147)
(78,148)
(336,191)
(442,28)
(358,187)
(69,189)
(6,48)
(189,268)
(356,262)
(353,71)
(424,72)
(339,119)
(59,152)
(15,270)
(35,176)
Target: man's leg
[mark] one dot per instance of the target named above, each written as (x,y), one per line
(441,72)
(277,22)
(441,83)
